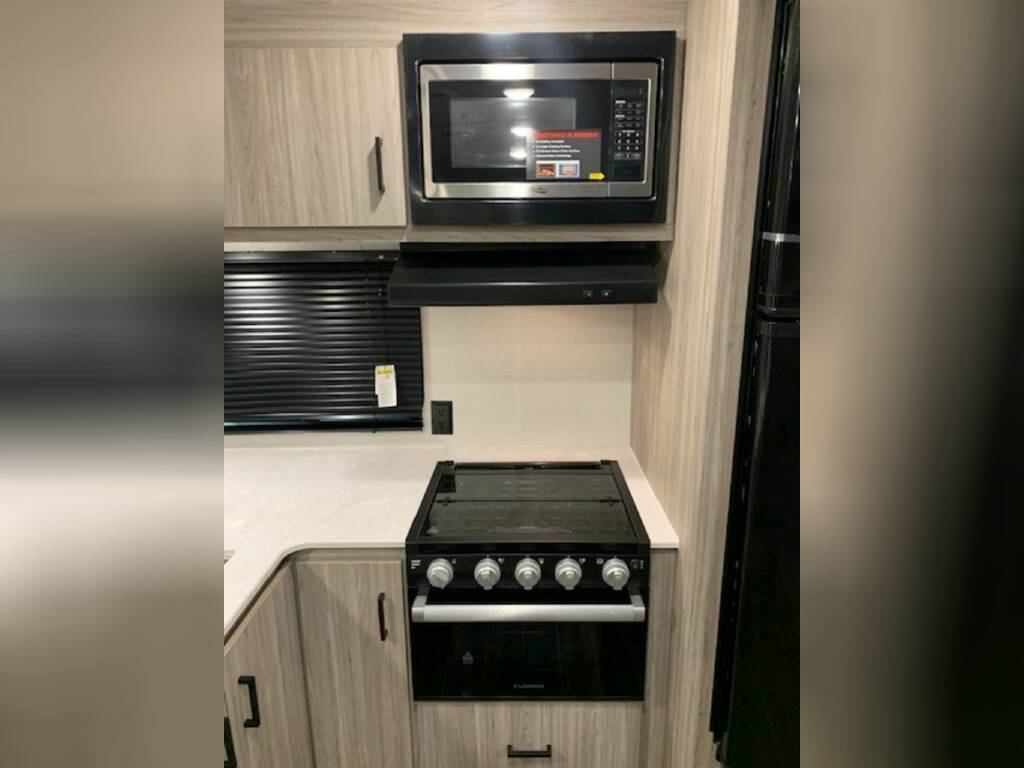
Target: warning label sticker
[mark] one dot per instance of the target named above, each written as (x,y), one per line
(564,155)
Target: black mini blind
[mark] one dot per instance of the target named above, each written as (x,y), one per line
(303,333)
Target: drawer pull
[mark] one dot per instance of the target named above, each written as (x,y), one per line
(512,752)
(380,617)
(425,613)
(378,152)
(230,760)
(254,703)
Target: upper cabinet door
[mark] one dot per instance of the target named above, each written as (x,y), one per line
(313,137)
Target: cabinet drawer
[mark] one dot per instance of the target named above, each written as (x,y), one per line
(581,734)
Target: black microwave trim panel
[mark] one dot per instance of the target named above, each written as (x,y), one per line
(538,47)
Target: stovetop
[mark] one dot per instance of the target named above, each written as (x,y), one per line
(504,506)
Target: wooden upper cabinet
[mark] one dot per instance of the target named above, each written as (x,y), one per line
(356,655)
(303,130)
(263,683)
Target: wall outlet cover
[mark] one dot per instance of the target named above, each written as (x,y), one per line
(441,417)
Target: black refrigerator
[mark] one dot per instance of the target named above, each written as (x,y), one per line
(755,711)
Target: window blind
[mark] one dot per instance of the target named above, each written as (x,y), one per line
(303,333)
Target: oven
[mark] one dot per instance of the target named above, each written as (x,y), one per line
(527,581)
(538,128)
(589,643)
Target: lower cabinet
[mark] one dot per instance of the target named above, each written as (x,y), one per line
(352,610)
(317,674)
(266,724)
(560,734)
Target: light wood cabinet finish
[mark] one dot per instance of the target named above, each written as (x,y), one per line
(299,137)
(368,239)
(293,22)
(661,619)
(358,685)
(581,734)
(291,25)
(266,645)
(687,347)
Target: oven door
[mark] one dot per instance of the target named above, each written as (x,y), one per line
(560,645)
(543,130)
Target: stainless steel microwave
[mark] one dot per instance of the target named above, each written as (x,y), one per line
(538,128)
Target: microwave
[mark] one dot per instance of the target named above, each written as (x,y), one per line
(538,128)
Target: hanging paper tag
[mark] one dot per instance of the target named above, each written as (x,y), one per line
(384,384)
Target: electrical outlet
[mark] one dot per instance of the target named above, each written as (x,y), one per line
(441,417)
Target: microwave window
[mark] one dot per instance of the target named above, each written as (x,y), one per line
(492,132)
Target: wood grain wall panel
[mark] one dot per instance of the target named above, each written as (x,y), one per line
(661,618)
(687,347)
(295,22)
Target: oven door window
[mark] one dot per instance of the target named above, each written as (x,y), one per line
(486,131)
(528,661)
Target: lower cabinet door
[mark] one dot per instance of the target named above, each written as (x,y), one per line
(354,644)
(561,734)
(266,724)
(230,756)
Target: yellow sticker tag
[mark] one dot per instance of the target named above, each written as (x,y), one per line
(384,385)
(596,176)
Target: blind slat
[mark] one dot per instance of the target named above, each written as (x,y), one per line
(302,338)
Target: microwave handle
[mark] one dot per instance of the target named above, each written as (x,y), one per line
(378,152)
(471,613)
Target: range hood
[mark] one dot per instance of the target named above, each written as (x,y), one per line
(491,274)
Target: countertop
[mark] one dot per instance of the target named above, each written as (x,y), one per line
(278,501)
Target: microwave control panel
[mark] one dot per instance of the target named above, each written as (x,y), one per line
(629,129)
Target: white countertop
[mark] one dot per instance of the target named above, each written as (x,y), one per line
(278,501)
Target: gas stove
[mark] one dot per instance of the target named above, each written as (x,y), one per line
(570,519)
(527,580)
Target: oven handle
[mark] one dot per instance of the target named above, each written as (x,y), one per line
(422,613)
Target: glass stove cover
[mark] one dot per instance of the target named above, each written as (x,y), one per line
(528,504)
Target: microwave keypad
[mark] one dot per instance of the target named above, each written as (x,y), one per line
(630,128)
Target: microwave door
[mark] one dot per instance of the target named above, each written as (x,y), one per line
(501,131)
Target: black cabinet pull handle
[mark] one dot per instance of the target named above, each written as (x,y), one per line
(254,703)
(546,752)
(378,150)
(380,617)
(230,761)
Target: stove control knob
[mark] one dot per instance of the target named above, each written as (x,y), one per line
(568,573)
(527,573)
(615,573)
(487,573)
(439,573)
